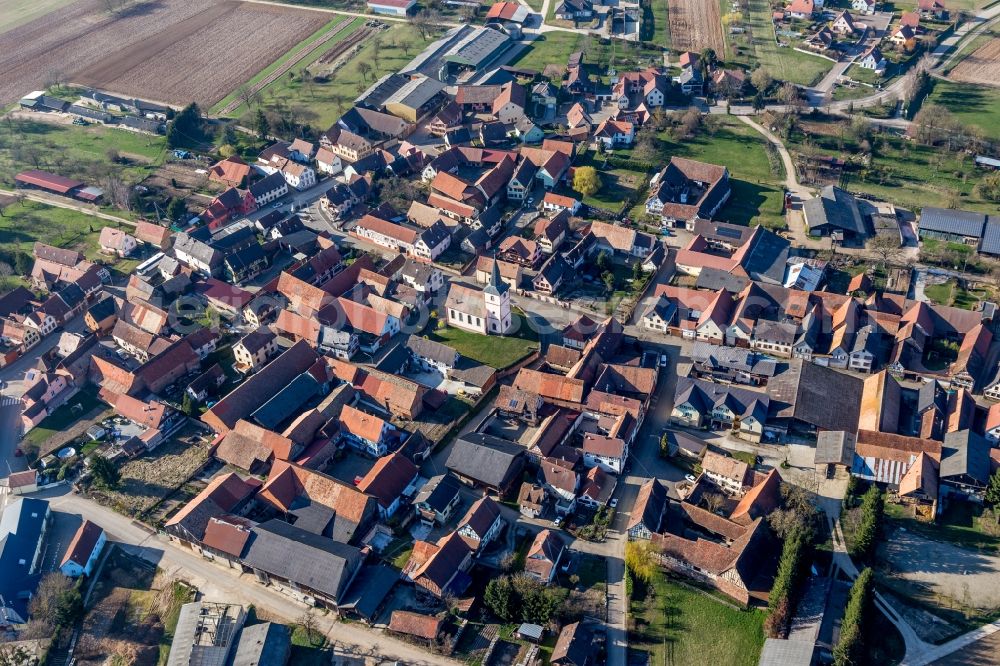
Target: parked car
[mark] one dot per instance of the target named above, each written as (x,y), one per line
(613,503)
(663,360)
(690,477)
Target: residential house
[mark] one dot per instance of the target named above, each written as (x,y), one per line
(864,6)
(561,482)
(552,274)
(481,525)
(550,232)
(253,350)
(389,480)
(557,203)
(544,555)
(873,59)
(439,569)
(365,432)
(531,500)
(117,242)
(431,356)
(437,499)
(426,243)
(698,403)
(84,550)
(686,190)
(648,511)
(575,646)
(843,23)
(834,211)
(615,133)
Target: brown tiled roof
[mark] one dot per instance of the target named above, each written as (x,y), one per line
(543,553)
(558,474)
(415,624)
(921,476)
(149,414)
(221,496)
(82,546)
(556,387)
(227,534)
(890,446)
(730,468)
(600,445)
(481,515)
(388,478)
(562,357)
(288,481)
(149,232)
(248,444)
(302,296)
(759,500)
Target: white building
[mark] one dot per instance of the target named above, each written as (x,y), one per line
(487,311)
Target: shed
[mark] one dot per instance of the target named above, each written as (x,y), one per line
(531,632)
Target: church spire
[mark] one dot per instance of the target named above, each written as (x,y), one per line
(497,285)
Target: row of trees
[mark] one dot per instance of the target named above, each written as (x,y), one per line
(851,646)
(869,525)
(796,524)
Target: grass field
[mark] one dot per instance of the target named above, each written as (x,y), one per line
(334,24)
(974,105)
(757,192)
(321,104)
(941,294)
(492,350)
(24,223)
(785,64)
(902,172)
(550,48)
(655,23)
(76,152)
(19,12)
(681,626)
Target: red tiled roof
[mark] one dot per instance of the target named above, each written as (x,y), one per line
(388,478)
(82,546)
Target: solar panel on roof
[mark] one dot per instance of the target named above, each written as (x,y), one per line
(730,233)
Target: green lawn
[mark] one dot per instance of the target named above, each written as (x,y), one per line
(306,652)
(63,417)
(677,625)
(655,22)
(941,294)
(75,151)
(785,64)
(903,172)
(552,47)
(974,105)
(321,104)
(757,192)
(495,351)
(24,223)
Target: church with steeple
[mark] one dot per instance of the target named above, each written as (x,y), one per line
(487,311)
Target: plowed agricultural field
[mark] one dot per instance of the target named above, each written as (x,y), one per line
(173,51)
(695,25)
(982,66)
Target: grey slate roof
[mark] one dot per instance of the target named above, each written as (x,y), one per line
(715,279)
(199,250)
(484,458)
(735,358)
(438,492)
(819,396)
(834,208)
(835,447)
(705,396)
(991,238)
(369,589)
(21,527)
(775,331)
(765,261)
(435,351)
(965,453)
(945,220)
(266,644)
(312,561)
(274,181)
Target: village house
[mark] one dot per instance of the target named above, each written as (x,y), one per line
(481,525)
(423,243)
(686,190)
(117,242)
(437,499)
(389,481)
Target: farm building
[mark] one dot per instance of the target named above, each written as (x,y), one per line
(464,47)
(391,7)
(954,226)
(57,184)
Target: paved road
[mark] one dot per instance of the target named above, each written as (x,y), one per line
(218,583)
